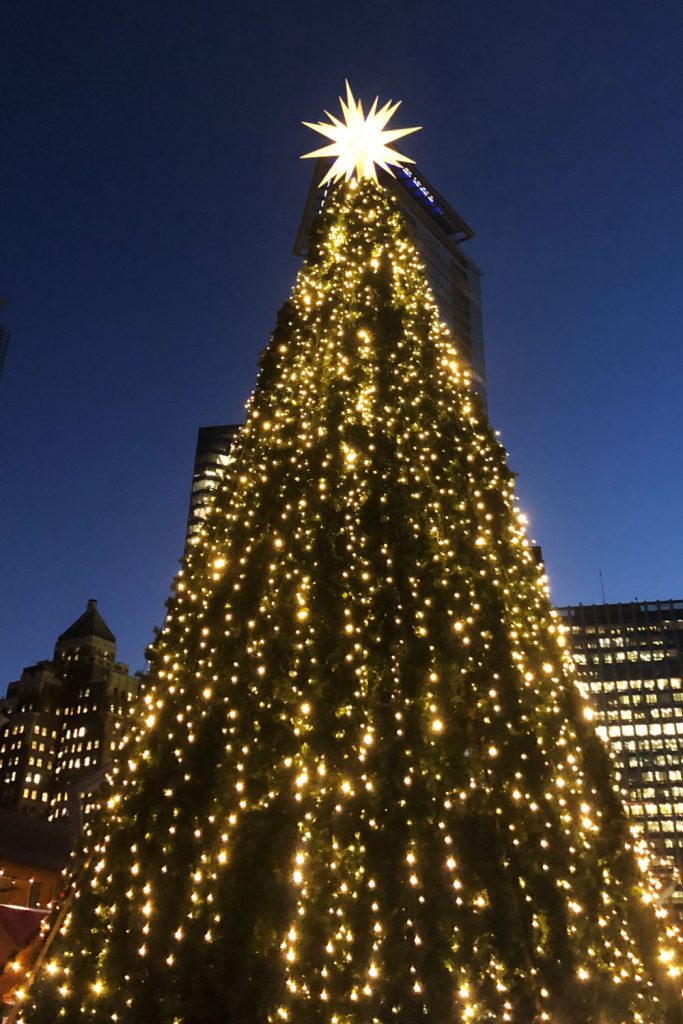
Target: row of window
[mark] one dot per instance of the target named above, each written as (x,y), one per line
(75,762)
(8,748)
(77,748)
(609,659)
(619,640)
(663,683)
(646,729)
(675,625)
(74,732)
(650,793)
(39,762)
(657,810)
(639,714)
(670,825)
(34,795)
(660,761)
(643,746)
(7,762)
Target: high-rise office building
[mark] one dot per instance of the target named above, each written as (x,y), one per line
(212,456)
(631,658)
(438,232)
(59,722)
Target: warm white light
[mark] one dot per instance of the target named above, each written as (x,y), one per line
(359,142)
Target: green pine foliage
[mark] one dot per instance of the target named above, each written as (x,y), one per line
(366,789)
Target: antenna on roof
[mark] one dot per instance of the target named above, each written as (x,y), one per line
(602,586)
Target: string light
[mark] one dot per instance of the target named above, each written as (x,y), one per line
(362,786)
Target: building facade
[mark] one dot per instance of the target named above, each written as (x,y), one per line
(33,856)
(438,232)
(631,658)
(59,722)
(212,457)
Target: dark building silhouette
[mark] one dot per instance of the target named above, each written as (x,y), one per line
(438,232)
(59,722)
(4,344)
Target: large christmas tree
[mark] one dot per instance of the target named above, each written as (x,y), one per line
(365,789)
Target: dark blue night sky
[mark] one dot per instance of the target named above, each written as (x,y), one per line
(150,194)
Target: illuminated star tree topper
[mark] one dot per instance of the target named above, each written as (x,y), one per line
(360,142)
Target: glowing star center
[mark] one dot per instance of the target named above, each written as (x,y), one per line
(360,143)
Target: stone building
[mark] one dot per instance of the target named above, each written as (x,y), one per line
(59,722)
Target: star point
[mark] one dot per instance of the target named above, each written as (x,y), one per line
(360,144)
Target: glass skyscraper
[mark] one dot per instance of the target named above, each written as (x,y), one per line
(212,456)
(630,656)
(438,232)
